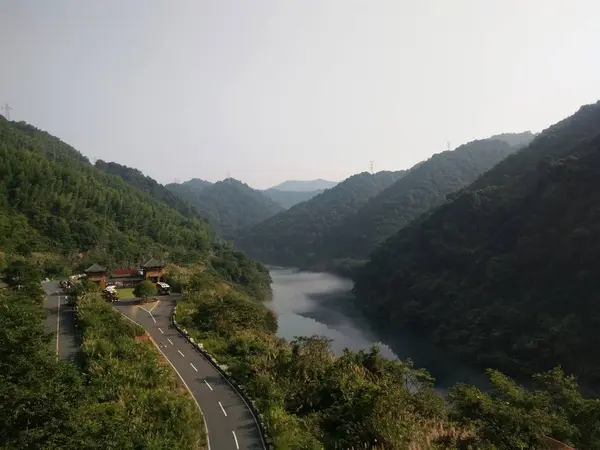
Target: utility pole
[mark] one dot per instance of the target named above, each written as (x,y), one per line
(7,110)
(371,163)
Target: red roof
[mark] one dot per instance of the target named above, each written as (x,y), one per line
(124,272)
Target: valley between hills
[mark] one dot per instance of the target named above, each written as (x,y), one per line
(487,251)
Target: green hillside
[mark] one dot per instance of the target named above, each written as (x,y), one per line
(287,199)
(143,182)
(288,238)
(506,274)
(53,200)
(422,188)
(229,205)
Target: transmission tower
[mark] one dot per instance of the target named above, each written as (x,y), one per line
(6,108)
(371,163)
(448,145)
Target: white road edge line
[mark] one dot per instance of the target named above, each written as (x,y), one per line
(170,341)
(236,442)
(161,331)
(152,317)
(57,322)
(209,386)
(181,353)
(182,380)
(157,302)
(222,409)
(262,439)
(193,367)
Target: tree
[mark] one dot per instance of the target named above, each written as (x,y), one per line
(144,290)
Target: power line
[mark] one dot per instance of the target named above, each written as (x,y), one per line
(7,110)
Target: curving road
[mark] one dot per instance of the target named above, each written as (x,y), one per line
(231,425)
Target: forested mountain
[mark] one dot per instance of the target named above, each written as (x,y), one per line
(288,238)
(46,144)
(305,185)
(287,199)
(67,206)
(506,274)
(228,205)
(136,178)
(194,185)
(423,187)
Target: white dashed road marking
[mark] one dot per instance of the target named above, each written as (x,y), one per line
(222,409)
(209,386)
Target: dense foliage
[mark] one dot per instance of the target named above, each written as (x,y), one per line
(235,267)
(147,184)
(312,400)
(67,206)
(289,237)
(512,417)
(308,397)
(144,289)
(506,274)
(195,184)
(123,399)
(130,384)
(229,205)
(422,188)
(287,199)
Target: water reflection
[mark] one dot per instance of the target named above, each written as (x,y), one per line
(308,303)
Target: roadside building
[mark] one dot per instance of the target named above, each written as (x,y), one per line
(124,278)
(153,270)
(97,274)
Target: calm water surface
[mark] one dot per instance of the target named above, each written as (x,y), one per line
(308,303)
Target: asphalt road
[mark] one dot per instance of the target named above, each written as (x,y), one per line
(230,423)
(60,320)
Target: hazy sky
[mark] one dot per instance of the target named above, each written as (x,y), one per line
(275,90)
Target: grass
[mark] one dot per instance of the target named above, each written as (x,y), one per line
(125,293)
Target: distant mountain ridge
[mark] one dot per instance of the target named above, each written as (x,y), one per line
(288,238)
(229,205)
(423,187)
(305,185)
(287,199)
(505,274)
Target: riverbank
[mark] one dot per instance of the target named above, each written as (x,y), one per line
(317,303)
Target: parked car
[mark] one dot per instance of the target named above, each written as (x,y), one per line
(163,288)
(110,293)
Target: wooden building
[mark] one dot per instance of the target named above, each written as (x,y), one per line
(97,274)
(153,270)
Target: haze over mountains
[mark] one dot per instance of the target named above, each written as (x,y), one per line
(305,186)
(506,272)
(489,250)
(304,236)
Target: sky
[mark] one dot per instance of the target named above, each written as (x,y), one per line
(270,90)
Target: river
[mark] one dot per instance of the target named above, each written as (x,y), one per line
(309,303)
